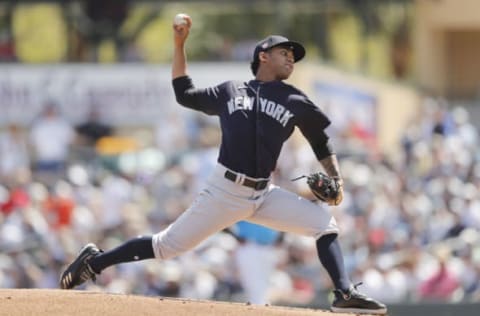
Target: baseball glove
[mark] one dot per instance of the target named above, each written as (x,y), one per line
(327,189)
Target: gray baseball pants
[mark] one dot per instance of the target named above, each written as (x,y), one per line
(223,202)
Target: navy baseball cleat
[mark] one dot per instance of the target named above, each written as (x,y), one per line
(79,271)
(353,301)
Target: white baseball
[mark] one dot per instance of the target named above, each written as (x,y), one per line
(180,19)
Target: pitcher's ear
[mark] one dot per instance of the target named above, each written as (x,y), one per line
(262,56)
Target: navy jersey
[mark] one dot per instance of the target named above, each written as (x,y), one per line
(256,118)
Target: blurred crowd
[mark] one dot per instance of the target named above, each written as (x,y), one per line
(409,221)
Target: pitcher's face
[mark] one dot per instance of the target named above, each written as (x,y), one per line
(279,61)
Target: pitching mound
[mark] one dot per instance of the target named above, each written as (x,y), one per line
(36,302)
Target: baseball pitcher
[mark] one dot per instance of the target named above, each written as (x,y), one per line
(256,118)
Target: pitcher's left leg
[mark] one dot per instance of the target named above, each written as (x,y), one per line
(286,211)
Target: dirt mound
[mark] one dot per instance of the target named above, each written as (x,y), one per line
(40,302)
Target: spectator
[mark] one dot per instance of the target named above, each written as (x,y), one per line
(51,136)
(255,242)
(90,131)
(442,284)
(18,198)
(59,205)
(14,156)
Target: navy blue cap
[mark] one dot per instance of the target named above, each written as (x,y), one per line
(277,40)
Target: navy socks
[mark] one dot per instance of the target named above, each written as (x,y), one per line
(331,257)
(328,248)
(136,249)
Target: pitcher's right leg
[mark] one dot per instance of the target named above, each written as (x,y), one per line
(212,211)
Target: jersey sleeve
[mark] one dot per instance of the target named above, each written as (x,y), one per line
(312,122)
(205,100)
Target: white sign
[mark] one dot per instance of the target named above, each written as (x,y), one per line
(123,94)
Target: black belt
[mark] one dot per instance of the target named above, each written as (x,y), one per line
(257,185)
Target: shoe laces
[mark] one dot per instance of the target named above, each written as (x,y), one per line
(355,286)
(352,291)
